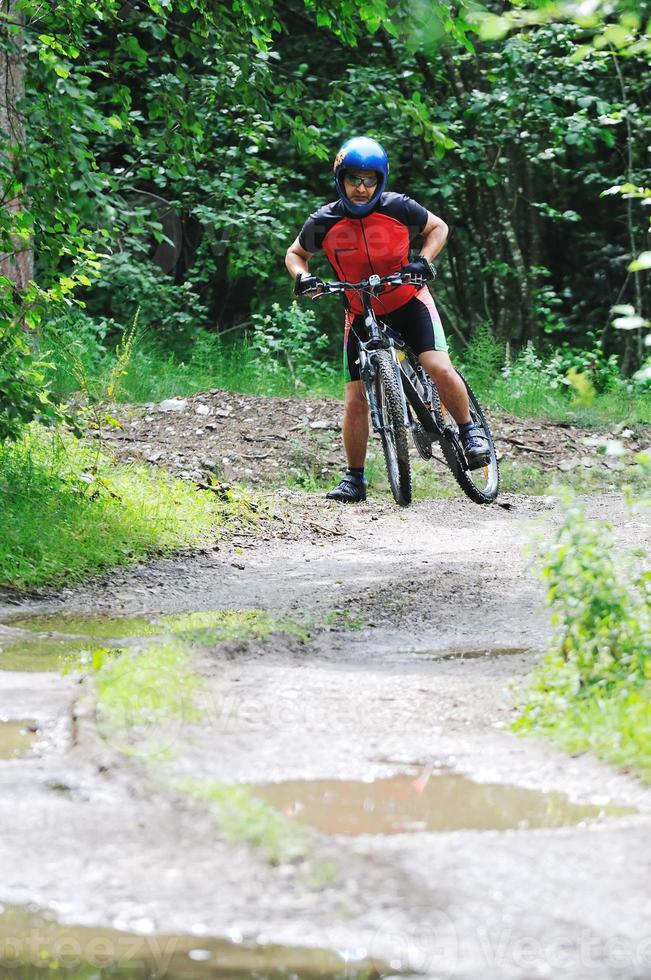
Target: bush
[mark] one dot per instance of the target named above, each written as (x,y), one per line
(288,339)
(24,390)
(602,372)
(600,664)
(130,286)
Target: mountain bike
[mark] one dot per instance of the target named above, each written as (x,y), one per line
(402,397)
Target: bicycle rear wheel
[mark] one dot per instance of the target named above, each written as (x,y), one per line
(393,431)
(481,485)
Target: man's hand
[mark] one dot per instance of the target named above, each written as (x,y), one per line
(421,268)
(306,285)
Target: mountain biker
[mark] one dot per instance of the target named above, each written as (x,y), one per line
(369,230)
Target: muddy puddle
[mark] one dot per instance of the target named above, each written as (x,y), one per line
(100,627)
(33,945)
(16,738)
(429,802)
(42,654)
(474,654)
(47,643)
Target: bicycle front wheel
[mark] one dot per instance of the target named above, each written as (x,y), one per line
(393,431)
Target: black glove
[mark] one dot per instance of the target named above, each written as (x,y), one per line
(305,284)
(420,268)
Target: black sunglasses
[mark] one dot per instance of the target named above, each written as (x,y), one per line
(354,180)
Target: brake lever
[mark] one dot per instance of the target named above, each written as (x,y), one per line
(418,281)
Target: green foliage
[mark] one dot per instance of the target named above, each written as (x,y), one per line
(67,511)
(484,358)
(128,288)
(602,604)
(173,183)
(24,393)
(81,360)
(600,662)
(343,620)
(289,338)
(532,384)
(614,26)
(220,625)
(242,817)
(527,385)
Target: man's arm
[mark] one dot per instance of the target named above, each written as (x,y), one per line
(296,261)
(435,235)
(297,258)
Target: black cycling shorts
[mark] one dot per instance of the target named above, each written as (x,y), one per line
(417,323)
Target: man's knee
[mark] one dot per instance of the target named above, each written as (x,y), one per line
(444,373)
(355,404)
(441,369)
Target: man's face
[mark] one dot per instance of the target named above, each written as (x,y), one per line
(360,194)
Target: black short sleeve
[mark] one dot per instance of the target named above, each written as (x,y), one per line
(404,209)
(318,225)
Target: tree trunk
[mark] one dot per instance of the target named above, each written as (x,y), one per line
(460,279)
(17,265)
(522,292)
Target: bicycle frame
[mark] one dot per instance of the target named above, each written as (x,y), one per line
(378,339)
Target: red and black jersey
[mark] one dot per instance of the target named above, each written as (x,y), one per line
(358,247)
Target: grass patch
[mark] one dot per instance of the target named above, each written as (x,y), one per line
(145,697)
(343,620)
(218,626)
(148,685)
(527,478)
(594,689)
(282,354)
(535,399)
(151,372)
(616,727)
(67,511)
(431,480)
(243,817)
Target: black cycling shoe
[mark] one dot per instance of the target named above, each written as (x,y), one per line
(476,447)
(351,490)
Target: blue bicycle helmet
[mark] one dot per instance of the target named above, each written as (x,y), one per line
(361,153)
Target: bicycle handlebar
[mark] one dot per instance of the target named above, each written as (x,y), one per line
(372,284)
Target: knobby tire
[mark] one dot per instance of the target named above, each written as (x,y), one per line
(394,431)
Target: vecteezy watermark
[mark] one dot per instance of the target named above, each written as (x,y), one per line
(74,948)
(510,948)
(232,711)
(429,941)
(423,940)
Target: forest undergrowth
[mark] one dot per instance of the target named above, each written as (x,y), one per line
(285,353)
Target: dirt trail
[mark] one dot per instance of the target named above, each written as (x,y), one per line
(221,432)
(101,840)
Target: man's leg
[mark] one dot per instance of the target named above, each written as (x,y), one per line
(352,488)
(455,398)
(451,388)
(355,424)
